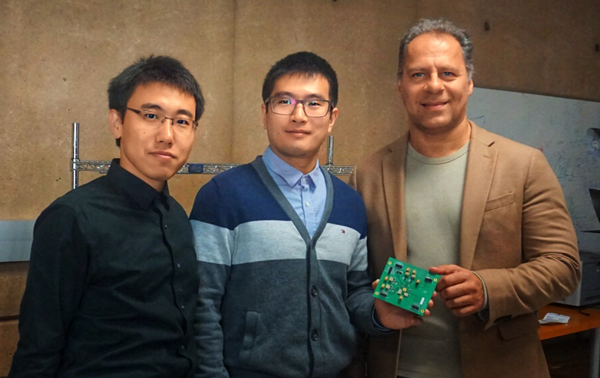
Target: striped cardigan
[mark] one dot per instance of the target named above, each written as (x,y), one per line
(272,301)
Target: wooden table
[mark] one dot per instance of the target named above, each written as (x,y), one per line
(578,322)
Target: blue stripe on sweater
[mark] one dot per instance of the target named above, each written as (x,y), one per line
(259,205)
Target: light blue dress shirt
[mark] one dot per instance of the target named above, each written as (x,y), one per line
(306,193)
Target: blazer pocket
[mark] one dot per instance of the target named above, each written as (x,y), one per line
(496,203)
(519,326)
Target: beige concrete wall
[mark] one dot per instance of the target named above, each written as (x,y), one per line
(58,56)
(535,46)
(56,59)
(356,37)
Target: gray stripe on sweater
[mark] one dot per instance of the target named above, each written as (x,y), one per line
(218,243)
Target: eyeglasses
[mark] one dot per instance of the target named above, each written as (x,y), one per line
(181,124)
(286,106)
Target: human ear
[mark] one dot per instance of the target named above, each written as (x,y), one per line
(114,123)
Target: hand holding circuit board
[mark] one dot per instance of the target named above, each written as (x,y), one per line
(408,287)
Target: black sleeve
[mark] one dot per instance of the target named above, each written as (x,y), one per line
(55,283)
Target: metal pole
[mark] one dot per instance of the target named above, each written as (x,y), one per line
(330,150)
(75,159)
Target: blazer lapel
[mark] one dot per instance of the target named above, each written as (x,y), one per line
(393,187)
(480,171)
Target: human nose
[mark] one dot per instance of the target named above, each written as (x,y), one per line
(434,84)
(299,113)
(166,132)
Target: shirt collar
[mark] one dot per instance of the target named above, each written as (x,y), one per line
(137,190)
(288,173)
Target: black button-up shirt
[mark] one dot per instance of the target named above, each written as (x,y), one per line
(112,285)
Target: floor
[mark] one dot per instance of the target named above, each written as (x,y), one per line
(568,356)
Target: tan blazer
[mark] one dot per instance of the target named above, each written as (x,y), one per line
(516,233)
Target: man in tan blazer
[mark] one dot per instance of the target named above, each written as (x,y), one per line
(485,212)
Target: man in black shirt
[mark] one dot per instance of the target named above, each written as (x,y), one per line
(112,283)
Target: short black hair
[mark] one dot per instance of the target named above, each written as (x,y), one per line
(304,63)
(153,69)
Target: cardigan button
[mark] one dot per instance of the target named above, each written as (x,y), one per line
(314,336)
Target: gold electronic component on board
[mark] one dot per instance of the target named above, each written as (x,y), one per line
(412,286)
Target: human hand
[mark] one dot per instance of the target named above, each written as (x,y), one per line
(394,317)
(461,289)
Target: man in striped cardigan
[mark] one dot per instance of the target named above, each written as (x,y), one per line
(281,246)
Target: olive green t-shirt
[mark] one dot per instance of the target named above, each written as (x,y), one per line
(433,202)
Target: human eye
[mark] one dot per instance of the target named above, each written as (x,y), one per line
(183,122)
(418,74)
(283,101)
(447,74)
(150,116)
(316,103)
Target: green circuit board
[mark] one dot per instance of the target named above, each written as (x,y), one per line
(406,286)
